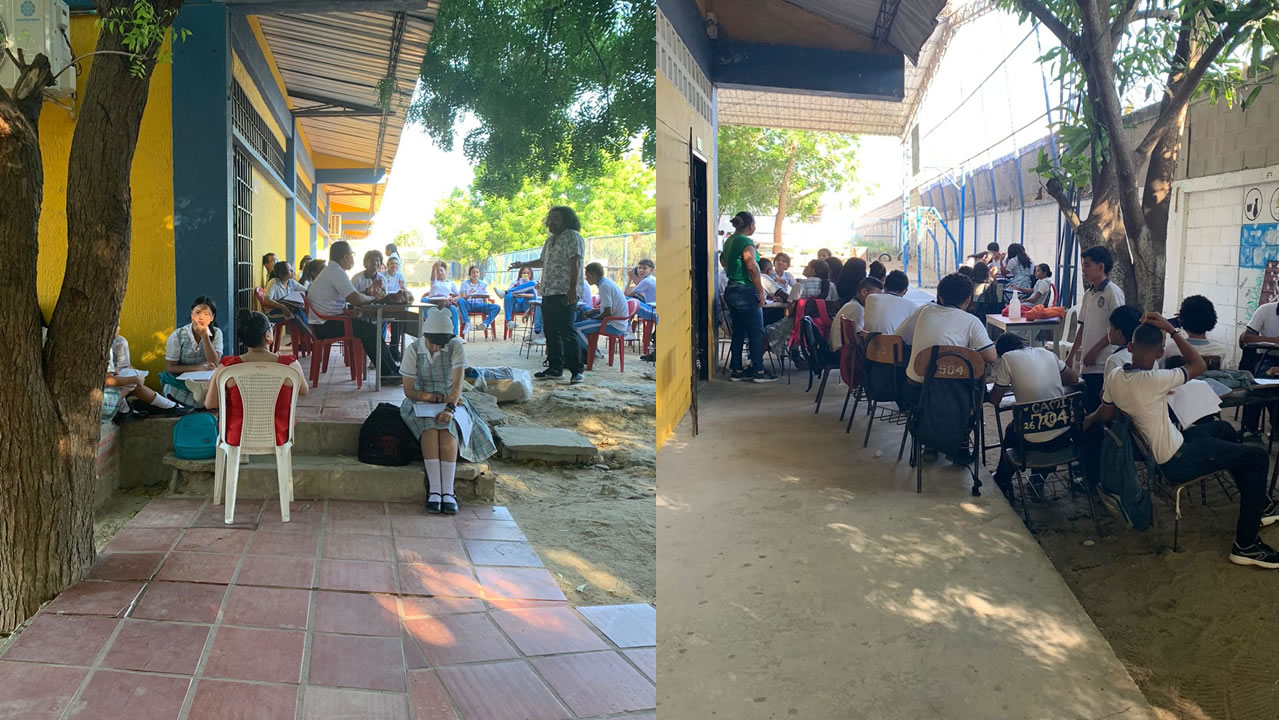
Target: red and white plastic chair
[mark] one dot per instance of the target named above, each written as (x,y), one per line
(259,385)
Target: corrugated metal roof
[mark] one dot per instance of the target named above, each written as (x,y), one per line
(808,111)
(902,24)
(342,56)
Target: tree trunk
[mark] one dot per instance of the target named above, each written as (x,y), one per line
(48,450)
(782,201)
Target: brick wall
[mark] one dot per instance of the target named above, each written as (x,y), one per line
(107,467)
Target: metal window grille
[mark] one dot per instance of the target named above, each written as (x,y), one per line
(246,120)
(304,195)
(242,226)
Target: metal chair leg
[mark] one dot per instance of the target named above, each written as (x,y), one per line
(845,408)
(822,387)
(906,427)
(857,397)
(871,405)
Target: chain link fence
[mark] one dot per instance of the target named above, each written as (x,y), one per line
(617,253)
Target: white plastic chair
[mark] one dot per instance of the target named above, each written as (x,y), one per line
(259,385)
(1068,333)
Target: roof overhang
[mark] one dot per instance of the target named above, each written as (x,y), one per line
(917,31)
(331,61)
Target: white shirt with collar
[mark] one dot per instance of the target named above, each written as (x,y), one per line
(1095,321)
(852,310)
(362,283)
(1266,320)
(935,324)
(328,292)
(1144,395)
(611,297)
(886,311)
(1033,373)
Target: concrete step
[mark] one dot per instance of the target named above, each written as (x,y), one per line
(339,477)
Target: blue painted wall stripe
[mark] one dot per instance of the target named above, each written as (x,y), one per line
(203,252)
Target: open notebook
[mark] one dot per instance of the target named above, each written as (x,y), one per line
(430,410)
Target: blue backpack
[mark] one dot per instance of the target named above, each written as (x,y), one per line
(195,437)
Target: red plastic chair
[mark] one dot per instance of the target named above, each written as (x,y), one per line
(488,333)
(350,344)
(300,337)
(618,341)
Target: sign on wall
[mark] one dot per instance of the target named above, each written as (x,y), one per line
(1258,243)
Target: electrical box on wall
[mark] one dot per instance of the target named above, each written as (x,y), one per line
(36,27)
(335,226)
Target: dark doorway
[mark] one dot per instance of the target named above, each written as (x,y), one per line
(699,258)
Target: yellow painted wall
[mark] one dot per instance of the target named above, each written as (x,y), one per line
(676,117)
(147,314)
(241,74)
(268,222)
(302,239)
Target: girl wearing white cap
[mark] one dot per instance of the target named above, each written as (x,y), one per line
(433,370)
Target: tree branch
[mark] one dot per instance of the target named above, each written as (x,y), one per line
(1123,18)
(1058,192)
(1186,88)
(1041,13)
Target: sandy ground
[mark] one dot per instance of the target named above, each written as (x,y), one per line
(1195,632)
(594,527)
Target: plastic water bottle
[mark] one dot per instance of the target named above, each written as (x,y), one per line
(1015,308)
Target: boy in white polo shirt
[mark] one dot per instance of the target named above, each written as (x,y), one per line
(1263,327)
(886,311)
(1031,373)
(946,323)
(1095,312)
(1142,390)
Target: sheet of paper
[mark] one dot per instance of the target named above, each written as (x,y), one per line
(294,297)
(197,375)
(1192,401)
(430,410)
(131,372)
(1267,381)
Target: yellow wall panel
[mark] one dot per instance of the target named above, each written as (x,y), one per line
(268,221)
(147,314)
(676,118)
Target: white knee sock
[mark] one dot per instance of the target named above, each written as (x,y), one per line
(447,470)
(163,402)
(433,475)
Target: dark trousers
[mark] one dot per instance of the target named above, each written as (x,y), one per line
(1092,391)
(1006,468)
(743,303)
(563,352)
(368,336)
(1215,446)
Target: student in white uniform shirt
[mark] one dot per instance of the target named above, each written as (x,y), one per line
(1094,322)
(1198,316)
(815,284)
(193,347)
(1141,390)
(1263,328)
(392,277)
(441,288)
(276,308)
(612,304)
(1123,321)
(886,311)
(366,279)
(853,310)
(1043,293)
(329,295)
(1031,374)
(945,322)
(781,263)
(472,288)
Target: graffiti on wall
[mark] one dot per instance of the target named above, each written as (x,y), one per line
(1258,246)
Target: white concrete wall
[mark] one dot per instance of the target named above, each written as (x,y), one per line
(1203,255)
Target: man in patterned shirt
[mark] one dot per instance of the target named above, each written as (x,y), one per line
(561,263)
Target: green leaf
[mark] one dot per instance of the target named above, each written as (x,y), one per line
(1253,95)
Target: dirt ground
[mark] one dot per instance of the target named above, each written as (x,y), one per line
(595,526)
(1196,633)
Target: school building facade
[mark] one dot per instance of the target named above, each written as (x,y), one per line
(264,134)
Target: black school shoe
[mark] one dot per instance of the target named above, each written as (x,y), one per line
(1259,554)
(548,374)
(449,506)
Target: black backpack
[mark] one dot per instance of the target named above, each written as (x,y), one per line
(386,440)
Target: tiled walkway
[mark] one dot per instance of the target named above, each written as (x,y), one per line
(351,610)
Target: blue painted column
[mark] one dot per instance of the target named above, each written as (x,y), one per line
(315,226)
(203,238)
(291,199)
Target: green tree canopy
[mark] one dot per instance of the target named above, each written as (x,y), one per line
(782,172)
(473,226)
(553,85)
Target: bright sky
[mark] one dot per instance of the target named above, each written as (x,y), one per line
(421,176)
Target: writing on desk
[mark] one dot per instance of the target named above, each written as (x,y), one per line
(1045,415)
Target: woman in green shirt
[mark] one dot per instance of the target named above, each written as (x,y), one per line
(744,296)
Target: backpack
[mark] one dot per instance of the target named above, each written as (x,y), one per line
(949,408)
(195,436)
(1120,490)
(386,440)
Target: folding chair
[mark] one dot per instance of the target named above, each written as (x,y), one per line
(1061,413)
(946,363)
(1165,486)
(885,366)
(818,355)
